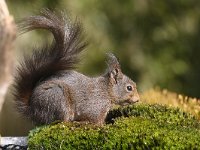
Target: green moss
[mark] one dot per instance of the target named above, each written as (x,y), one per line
(134,127)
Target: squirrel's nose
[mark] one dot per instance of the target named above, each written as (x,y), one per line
(136,99)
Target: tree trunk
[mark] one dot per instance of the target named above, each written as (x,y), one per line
(7,38)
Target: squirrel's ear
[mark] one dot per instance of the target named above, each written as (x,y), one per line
(114,69)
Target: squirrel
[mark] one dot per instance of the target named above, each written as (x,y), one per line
(47,87)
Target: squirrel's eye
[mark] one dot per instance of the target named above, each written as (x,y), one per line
(129,88)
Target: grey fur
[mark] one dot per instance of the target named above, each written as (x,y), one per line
(53,91)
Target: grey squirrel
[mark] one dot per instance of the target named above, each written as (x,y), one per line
(48,89)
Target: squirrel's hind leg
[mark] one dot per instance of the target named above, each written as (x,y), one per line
(50,103)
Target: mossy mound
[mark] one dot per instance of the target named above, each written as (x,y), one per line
(133,127)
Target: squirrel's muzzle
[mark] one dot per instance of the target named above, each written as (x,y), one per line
(129,101)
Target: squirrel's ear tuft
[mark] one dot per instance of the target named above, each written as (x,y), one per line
(114,69)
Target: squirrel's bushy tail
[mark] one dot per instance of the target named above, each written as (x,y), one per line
(62,54)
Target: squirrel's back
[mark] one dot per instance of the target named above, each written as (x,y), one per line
(69,96)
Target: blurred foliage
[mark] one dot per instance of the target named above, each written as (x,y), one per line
(134,127)
(188,104)
(157,42)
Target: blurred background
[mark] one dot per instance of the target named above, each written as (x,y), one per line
(157,42)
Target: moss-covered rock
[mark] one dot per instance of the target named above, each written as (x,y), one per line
(133,127)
